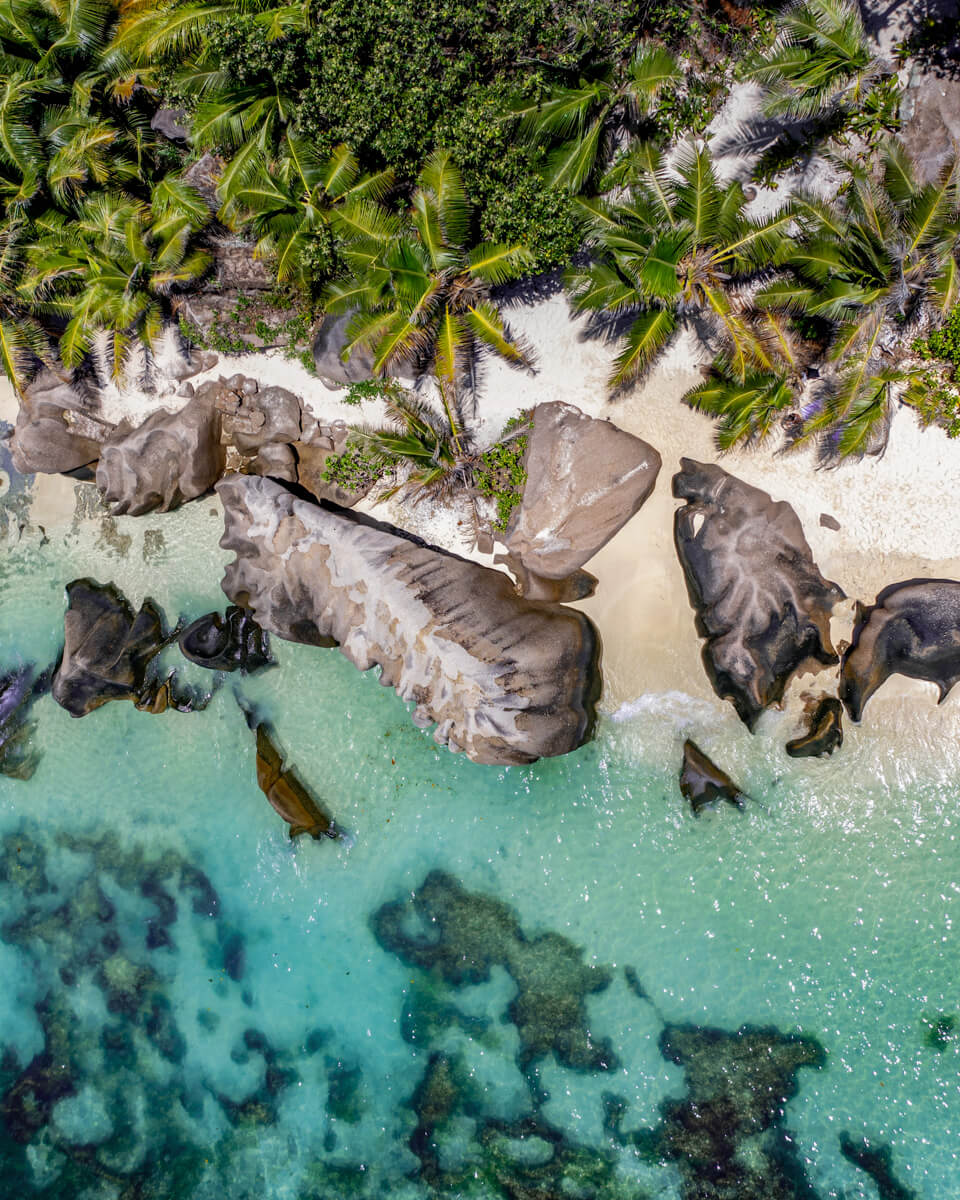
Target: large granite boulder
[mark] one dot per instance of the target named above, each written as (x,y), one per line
(107,649)
(913,629)
(169,459)
(506,680)
(585,479)
(232,642)
(253,417)
(328,346)
(760,600)
(57,428)
(930,128)
(702,781)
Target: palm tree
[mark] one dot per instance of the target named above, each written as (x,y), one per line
(432,450)
(112,264)
(875,263)
(21,338)
(287,202)
(746,408)
(588,120)
(821,63)
(420,290)
(679,244)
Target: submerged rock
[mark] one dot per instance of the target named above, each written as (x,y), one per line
(824,733)
(508,680)
(913,629)
(286,793)
(230,642)
(877,1162)
(107,648)
(18,691)
(57,429)
(169,459)
(463,935)
(702,781)
(585,479)
(760,600)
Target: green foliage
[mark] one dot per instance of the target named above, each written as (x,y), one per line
(257,321)
(357,469)
(935,394)
(500,474)
(746,409)
(370,389)
(679,241)
(943,343)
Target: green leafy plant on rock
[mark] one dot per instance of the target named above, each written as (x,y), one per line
(500,474)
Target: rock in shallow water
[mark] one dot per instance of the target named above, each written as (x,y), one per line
(508,680)
(913,629)
(107,649)
(585,479)
(57,429)
(702,781)
(760,600)
(230,642)
(286,793)
(825,732)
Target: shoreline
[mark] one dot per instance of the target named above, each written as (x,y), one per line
(894,513)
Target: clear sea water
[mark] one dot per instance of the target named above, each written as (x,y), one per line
(274,1048)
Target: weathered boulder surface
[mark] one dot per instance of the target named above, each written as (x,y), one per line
(585,479)
(702,781)
(169,459)
(824,733)
(107,649)
(913,629)
(232,642)
(311,463)
(328,347)
(507,680)
(57,429)
(252,416)
(760,600)
(287,795)
(931,116)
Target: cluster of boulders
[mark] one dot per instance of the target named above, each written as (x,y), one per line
(505,672)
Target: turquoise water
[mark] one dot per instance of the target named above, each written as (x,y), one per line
(222,1012)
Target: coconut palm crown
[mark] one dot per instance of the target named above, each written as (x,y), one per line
(419,291)
(586,120)
(287,201)
(877,260)
(820,63)
(679,244)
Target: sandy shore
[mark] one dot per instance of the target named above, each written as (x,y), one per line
(899,515)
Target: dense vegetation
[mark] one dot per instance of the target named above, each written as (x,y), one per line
(401,161)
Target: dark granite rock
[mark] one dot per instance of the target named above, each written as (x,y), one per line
(585,479)
(760,600)
(107,648)
(508,680)
(171,122)
(829,522)
(57,429)
(702,781)
(824,733)
(913,629)
(328,347)
(232,642)
(286,793)
(169,459)
(18,691)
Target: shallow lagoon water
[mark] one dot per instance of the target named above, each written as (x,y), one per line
(250,1033)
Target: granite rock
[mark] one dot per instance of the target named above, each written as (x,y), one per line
(328,346)
(824,733)
(57,429)
(913,629)
(506,680)
(169,459)
(702,781)
(585,479)
(759,598)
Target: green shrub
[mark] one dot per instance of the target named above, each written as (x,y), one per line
(355,470)
(500,474)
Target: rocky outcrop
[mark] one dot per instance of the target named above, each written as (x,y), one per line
(169,459)
(506,680)
(585,479)
(287,795)
(760,600)
(913,629)
(702,781)
(824,733)
(312,461)
(18,691)
(253,417)
(931,116)
(233,642)
(57,429)
(107,649)
(328,347)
